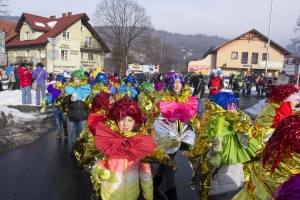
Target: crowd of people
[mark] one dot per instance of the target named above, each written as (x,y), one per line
(118,128)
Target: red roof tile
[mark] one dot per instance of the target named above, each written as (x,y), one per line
(9,29)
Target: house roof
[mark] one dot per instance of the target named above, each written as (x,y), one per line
(39,23)
(9,29)
(263,37)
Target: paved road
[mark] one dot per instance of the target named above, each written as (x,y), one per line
(44,170)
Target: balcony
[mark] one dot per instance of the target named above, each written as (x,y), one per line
(90,45)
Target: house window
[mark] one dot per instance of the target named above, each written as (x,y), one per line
(234,55)
(88,41)
(66,35)
(90,56)
(27,53)
(27,35)
(64,54)
(254,59)
(81,55)
(264,56)
(81,28)
(244,57)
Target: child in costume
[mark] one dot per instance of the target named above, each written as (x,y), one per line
(54,91)
(75,101)
(280,160)
(230,132)
(113,84)
(119,138)
(101,84)
(290,190)
(129,88)
(175,128)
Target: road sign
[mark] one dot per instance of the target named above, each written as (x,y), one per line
(53,54)
(53,41)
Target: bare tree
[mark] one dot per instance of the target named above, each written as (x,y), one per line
(296,40)
(3,10)
(122,24)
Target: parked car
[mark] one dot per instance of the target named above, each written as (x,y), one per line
(140,77)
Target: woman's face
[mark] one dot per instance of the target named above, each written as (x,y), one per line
(177,86)
(126,124)
(76,80)
(294,103)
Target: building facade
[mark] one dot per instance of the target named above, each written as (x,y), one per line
(77,43)
(245,54)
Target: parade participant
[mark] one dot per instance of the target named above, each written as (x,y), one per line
(290,190)
(75,102)
(101,84)
(129,88)
(113,84)
(54,90)
(121,172)
(175,128)
(25,83)
(215,83)
(281,103)
(280,160)
(229,130)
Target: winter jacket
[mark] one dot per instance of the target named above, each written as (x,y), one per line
(11,77)
(8,70)
(42,78)
(77,110)
(25,77)
(215,82)
(227,178)
(129,175)
(199,89)
(16,70)
(237,85)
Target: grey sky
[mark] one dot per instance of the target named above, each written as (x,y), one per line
(225,18)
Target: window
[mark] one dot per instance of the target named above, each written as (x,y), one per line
(234,55)
(244,57)
(27,35)
(64,54)
(81,55)
(264,56)
(66,35)
(81,28)
(90,56)
(254,59)
(27,53)
(88,41)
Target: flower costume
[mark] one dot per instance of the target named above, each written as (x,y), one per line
(280,160)
(129,89)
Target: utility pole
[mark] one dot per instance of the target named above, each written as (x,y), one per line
(268,47)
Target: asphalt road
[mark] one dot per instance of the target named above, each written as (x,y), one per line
(45,170)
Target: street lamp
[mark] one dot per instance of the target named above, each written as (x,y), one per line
(268,47)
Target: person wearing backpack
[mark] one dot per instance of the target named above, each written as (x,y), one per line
(236,87)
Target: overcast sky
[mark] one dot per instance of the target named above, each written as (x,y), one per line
(225,18)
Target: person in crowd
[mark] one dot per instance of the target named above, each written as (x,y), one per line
(261,85)
(17,76)
(248,87)
(101,84)
(54,91)
(124,145)
(257,77)
(178,110)
(25,82)
(1,88)
(129,88)
(215,84)
(236,87)
(91,79)
(40,75)
(199,93)
(279,161)
(8,69)
(229,130)
(12,78)
(75,100)
(113,85)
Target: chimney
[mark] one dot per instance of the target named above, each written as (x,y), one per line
(64,15)
(53,17)
(69,14)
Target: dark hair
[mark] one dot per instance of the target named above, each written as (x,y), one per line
(40,64)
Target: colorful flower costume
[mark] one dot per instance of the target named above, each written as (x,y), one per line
(280,160)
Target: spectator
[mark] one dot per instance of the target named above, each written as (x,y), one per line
(236,87)
(40,75)
(261,85)
(12,79)
(257,83)
(1,88)
(8,69)
(25,82)
(215,85)
(17,76)
(199,93)
(249,86)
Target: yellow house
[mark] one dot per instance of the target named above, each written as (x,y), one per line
(245,54)
(78,44)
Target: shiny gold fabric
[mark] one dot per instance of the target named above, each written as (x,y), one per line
(263,182)
(183,98)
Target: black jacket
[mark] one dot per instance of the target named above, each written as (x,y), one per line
(237,85)
(17,76)
(199,88)
(77,110)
